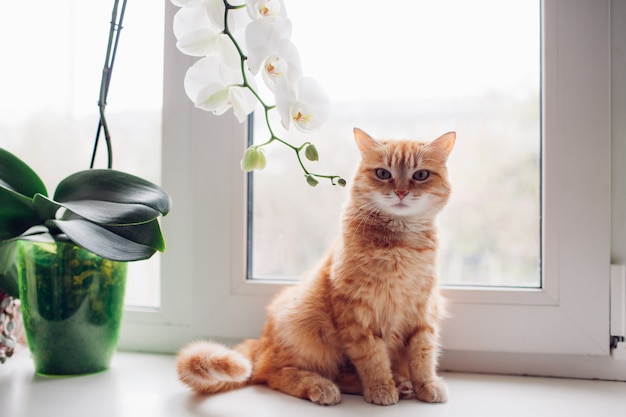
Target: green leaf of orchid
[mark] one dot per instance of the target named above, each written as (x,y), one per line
(19,177)
(106,243)
(18,183)
(112,186)
(16,213)
(112,214)
(148,234)
(104,213)
(45,207)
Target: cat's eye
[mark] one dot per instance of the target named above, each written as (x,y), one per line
(382,173)
(421,175)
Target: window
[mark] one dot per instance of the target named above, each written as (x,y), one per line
(50,85)
(558,329)
(418,78)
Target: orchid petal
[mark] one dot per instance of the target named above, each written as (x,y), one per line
(215,11)
(288,51)
(284,97)
(213,86)
(243,102)
(187,3)
(198,36)
(237,19)
(229,53)
(199,43)
(191,19)
(215,98)
(204,72)
(266,9)
(263,39)
(285,64)
(312,106)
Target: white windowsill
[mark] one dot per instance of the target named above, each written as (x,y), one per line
(145,385)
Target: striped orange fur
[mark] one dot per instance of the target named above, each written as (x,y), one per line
(366,320)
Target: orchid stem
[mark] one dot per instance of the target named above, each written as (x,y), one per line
(334,179)
(114,37)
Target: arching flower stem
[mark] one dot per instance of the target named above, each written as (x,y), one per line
(105,82)
(310,176)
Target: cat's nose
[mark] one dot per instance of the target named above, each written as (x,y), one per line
(401,193)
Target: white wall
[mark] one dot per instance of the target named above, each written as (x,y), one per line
(618,127)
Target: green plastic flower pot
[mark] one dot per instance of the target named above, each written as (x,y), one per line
(72,303)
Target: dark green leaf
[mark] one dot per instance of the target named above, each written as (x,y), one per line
(45,207)
(102,212)
(19,177)
(104,242)
(113,186)
(109,213)
(148,234)
(16,214)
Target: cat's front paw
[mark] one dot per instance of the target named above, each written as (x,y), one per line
(382,394)
(405,388)
(325,393)
(434,391)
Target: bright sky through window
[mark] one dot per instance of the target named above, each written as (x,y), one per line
(417,69)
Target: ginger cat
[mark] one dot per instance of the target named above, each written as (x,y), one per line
(367,319)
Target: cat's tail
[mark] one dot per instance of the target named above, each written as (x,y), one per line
(209,367)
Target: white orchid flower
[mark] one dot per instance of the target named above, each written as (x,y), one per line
(263,39)
(215,11)
(192,19)
(199,29)
(284,64)
(266,9)
(214,86)
(188,3)
(198,35)
(302,102)
(219,81)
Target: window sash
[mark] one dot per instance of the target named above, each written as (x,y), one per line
(205,290)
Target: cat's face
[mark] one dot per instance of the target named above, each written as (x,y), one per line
(403,178)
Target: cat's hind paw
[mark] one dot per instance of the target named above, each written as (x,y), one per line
(382,394)
(434,391)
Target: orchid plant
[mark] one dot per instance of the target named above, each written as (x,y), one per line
(110,213)
(236,47)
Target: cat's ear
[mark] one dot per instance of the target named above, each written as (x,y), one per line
(365,142)
(442,146)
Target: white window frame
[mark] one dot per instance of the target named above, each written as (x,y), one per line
(561,329)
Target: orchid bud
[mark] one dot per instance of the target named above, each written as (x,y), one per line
(311,153)
(310,179)
(254,158)
(341,182)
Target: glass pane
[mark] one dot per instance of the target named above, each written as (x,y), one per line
(417,69)
(53,53)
